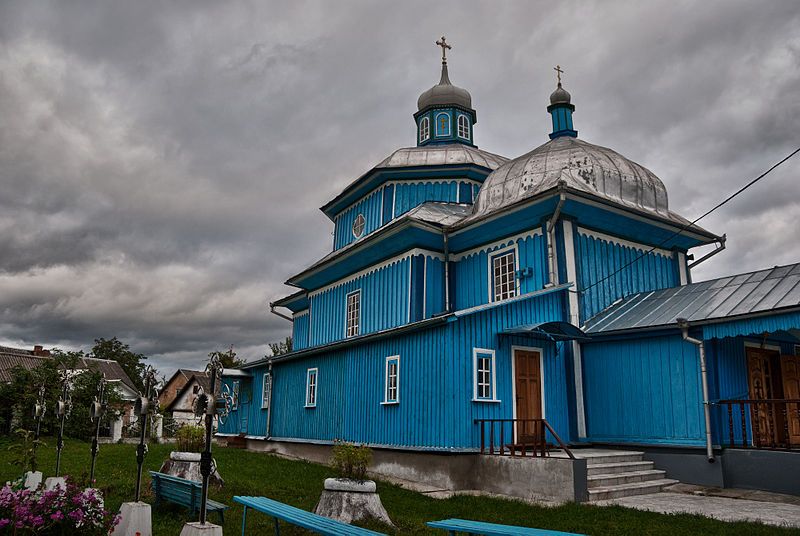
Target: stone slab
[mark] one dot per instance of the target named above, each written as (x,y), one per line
(135,520)
(53,482)
(196,529)
(33,479)
(353,486)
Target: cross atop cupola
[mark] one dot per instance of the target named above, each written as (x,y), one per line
(561,109)
(445,113)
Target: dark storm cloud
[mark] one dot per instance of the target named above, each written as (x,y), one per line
(162,163)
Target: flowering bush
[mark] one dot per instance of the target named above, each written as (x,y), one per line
(60,511)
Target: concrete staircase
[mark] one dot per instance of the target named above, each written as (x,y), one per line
(620,473)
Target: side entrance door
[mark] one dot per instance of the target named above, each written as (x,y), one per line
(763,375)
(528,385)
(790,370)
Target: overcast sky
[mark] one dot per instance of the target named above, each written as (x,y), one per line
(162,162)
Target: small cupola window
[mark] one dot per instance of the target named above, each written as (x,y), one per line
(358,226)
(463,127)
(443,124)
(424,129)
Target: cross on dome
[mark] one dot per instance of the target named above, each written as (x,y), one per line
(445,47)
(558,70)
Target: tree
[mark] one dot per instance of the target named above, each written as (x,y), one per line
(228,359)
(281,347)
(115,350)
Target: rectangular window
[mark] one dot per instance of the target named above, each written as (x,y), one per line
(266,391)
(235,389)
(503,276)
(353,313)
(392,380)
(311,388)
(484,375)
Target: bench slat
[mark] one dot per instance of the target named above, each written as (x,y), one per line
(183,492)
(493,529)
(301,518)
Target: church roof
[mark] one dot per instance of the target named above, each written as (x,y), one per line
(578,165)
(444,93)
(736,296)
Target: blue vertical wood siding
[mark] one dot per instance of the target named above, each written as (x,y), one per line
(597,259)
(472,272)
(250,418)
(300,330)
(384,303)
(411,194)
(434,286)
(371,207)
(436,410)
(645,390)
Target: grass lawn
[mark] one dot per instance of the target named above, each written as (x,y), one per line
(300,483)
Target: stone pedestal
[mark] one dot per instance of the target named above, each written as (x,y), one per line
(33,479)
(349,500)
(196,529)
(135,520)
(158,427)
(54,482)
(116,429)
(187,465)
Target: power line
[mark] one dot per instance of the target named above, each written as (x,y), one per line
(691,223)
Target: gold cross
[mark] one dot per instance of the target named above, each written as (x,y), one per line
(445,47)
(557,69)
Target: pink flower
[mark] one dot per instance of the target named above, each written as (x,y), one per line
(57,516)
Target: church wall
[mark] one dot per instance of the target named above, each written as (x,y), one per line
(597,256)
(643,390)
(300,330)
(471,271)
(384,303)
(435,409)
(371,206)
(408,195)
(434,286)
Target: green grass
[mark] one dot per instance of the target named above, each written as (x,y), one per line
(300,483)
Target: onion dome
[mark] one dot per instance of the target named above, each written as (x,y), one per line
(445,94)
(560,96)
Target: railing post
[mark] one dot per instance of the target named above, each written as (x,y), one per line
(502,439)
(491,437)
(786,425)
(483,434)
(730,424)
(743,413)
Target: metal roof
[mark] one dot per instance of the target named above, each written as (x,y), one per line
(555,331)
(441,155)
(727,297)
(442,214)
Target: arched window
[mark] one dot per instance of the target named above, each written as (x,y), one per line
(463,127)
(424,129)
(358,226)
(443,124)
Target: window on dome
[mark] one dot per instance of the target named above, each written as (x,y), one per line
(443,124)
(504,281)
(424,129)
(463,127)
(358,226)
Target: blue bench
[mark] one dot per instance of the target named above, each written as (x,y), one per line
(184,493)
(491,529)
(298,517)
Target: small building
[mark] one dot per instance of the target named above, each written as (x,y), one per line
(474,304)
(182,407)
(175,384)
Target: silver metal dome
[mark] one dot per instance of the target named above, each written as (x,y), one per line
(582,166)
(445,93)
(560,96)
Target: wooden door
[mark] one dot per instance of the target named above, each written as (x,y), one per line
(528,382)
(790,372)
(761,379)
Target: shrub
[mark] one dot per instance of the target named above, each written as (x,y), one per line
(191,438)
(351,461)
(73,510)
(25,450)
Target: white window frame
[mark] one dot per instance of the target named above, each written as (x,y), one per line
(312,390)
(436,125)
(266,390)
(483,352)
(235,384)
(387,400)
(491,258)
(363,225)
(424,129)
(355,329)
(463,121)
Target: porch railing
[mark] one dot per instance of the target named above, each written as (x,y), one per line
(518,437)
(772,424)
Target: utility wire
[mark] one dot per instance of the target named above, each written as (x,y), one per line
(691,223)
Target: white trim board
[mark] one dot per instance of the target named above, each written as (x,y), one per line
(475,352)
(574,316)
(757,345)
(623,242)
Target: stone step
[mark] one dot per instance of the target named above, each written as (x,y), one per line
(615,479)
(618,467)
(611,456)
(626,490)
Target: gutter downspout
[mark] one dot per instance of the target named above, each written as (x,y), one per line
(710,254)
(269,406)
(276,313)
(684,325)
(446,273)
(551,241)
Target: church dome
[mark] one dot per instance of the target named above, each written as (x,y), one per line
(444,94)
(580,166)
(560,96)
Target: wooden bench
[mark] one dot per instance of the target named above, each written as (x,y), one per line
(185,493)
(301,518)
(454,526)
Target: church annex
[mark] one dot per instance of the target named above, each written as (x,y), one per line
(473,303)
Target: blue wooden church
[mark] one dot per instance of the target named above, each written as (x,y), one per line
(469,296)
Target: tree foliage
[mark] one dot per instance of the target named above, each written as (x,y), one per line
(227,359)
(281,347)
(115,350)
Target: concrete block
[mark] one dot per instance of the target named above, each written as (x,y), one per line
(135,520)
(33,479)
(345,484)
(54,482)
(196,529)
